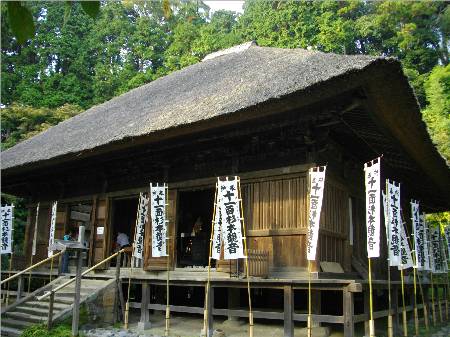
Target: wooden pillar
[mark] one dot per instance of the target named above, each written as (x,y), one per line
(288,311)
(233,302)
(144,322)
(210,309)
(349,310)
(316,304)
(19,288)
(366,312)
(396,311)
(426,295)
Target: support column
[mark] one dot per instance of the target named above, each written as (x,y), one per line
(366,312)
(349,310)
(76,302)
(233,302)
(144,322)
(288,311)
(396,311)
(316,304)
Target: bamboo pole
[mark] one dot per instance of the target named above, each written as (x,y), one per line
(390,322)
(51,269)
(309,323)
(127,304)
(405,321)
(29,275)
(371,321)
(424,305)
(168,270)
(205,311)
(250,312)
(9,275)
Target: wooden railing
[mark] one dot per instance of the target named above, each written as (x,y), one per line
(52,292)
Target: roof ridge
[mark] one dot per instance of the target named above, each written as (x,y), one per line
(232,50)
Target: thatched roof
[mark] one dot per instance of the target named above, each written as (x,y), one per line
(218,86)
(243,83)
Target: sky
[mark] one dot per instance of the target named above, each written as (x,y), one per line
(235,6)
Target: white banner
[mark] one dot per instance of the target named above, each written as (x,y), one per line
(418,235)
(7,213)
(373,194)
(159,222)
(217,228)
(393,200)
(443,256)
(436,250)
(51,236)
(36,223)
(447,238)
(140,226)
(230,210)
(316,187)
(406,259)
(426,243)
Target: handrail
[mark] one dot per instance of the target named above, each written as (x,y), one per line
(30,268)
(48,293)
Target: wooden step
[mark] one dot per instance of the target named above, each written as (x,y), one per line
(22,316)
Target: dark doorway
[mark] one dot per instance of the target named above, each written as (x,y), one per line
(194,227)
(124,219)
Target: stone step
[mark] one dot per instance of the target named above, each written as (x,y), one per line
(44,305)
(22,316)
(10,332)
(38,311)
(16,324)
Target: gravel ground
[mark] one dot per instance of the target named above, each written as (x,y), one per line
(190,326)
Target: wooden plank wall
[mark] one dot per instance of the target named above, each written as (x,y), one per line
(275,211)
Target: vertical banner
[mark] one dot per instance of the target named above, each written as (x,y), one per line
(406,259)
(373,195)
(159,222)
(426,244)
(316,187)
(36,223)
(217,229)
(7,227)
(447,239)
(436,250)
(418,235)
(140,225)
(230,213)
(393,201)
(51,236)
(443,256)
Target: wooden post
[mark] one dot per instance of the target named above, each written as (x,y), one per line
(348,307)
(210,312)
(9,275)
(288,311)
(50,311)
(144,322)
(405,321)
(366,313)
(76,302)
(396,311)
(233,302)
(441,317)
(117,297)
(19,288)
(433,306)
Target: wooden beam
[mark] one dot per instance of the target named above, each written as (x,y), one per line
(288,311)
(349,311)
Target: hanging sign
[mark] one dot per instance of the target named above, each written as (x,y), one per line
(436,250)
(159,222)
(36,222)
(393,200)
(372,183)
(426,244)
(316,187)
(447,239)
(140,225)
(217,226)
(51,236)
(7,227)
(230,213)
(418,235)
(406,259)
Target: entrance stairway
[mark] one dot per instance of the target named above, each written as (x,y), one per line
(29,311)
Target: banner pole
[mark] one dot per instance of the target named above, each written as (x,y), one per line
(414,257)
(29,275)
(33,247)
(433,307)
(387,225)
(405,321)
(371,321)
(250,312)
(424,304)
(168,270)
(127,305)
(440,306)
(9,275)
(205,311)
(309,324)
